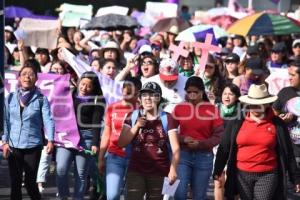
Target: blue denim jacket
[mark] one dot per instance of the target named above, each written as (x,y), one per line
(25,131)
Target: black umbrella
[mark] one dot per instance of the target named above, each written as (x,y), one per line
(112,22)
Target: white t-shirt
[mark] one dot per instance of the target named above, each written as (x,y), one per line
(173,95)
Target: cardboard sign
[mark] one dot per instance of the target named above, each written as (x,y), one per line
(38,32)
(112,10)
(158,10)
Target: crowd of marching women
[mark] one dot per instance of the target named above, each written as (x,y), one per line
(227,109)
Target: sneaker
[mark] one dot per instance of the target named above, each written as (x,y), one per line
(41,188)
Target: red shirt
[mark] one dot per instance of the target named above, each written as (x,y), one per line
(197,121)
(114,118)
(256,143)
(150,154)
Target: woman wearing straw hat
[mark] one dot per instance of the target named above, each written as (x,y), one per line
(258,151)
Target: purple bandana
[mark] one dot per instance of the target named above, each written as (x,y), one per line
(85,99)
(26,95)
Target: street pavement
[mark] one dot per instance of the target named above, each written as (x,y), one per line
(51,190)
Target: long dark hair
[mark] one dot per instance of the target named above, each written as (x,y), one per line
(217,79)
(196,81)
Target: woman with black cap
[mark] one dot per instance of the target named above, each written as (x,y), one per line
(149,132)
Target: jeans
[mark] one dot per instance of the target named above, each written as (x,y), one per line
(64,158)
(194,168)
(43,166)
(138,185)
(116,167)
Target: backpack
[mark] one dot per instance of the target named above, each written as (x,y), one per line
(41,102)
(164,120)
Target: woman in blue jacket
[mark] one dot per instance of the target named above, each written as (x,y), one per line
(27,112)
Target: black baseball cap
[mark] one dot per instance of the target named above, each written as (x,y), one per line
(151,87)
(279,47)
(232,57)
(256,65)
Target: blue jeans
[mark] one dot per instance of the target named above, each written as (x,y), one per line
(116,167)
(64,158)
(194,168)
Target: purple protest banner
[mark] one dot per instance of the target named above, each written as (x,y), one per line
(112,90)
(56,88)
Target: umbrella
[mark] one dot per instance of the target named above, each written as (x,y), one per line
(198,32)
(265,23)
(15,11)
(112,22)
(165,24)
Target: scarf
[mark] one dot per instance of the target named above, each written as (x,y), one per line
(25,95)
(186,73)
(227,111)
(85,99)
(207,82)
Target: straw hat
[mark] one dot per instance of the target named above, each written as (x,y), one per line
(258,95)
(173,30)
(111,45)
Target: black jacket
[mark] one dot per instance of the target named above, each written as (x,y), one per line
(227,153)
(90,116)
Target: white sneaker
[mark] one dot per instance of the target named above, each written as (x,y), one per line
(41,189)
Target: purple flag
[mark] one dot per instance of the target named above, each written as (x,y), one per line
(200,36)
(56,88)
(112,90)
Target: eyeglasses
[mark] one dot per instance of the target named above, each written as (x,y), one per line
(152,95)
(147,63)
(30,75)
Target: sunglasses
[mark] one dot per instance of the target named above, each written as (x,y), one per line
(155,47)
(297,46)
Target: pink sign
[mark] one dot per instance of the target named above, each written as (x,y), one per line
(206,47)
(178,51)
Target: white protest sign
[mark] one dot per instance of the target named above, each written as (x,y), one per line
(39,32)
(159,10)
(112,10)
(278,79)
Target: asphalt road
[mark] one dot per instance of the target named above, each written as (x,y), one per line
(50,187)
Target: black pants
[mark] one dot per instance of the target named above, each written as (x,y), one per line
(257,186)
(26,160)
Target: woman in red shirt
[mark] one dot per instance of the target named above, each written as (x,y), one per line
(200,128)
(257,150)
(110,153)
